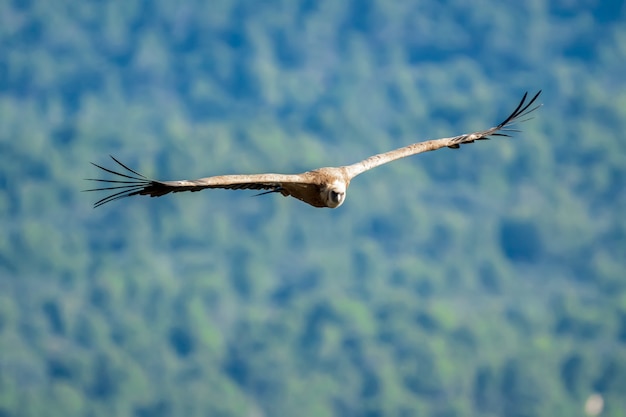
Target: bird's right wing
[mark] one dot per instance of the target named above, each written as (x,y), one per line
(132,183)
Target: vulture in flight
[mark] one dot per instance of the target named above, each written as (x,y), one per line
(322,187)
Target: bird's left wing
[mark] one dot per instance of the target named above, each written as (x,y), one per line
(131,183)
(523,109)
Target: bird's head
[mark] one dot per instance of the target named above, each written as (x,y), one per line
(334,194)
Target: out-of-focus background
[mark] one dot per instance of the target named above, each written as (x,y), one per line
(485,281)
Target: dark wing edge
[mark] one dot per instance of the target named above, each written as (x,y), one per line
(504,129)
(135,184)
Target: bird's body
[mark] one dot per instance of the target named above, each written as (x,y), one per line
(322,187)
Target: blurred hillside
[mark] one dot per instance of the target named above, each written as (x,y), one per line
(485,281)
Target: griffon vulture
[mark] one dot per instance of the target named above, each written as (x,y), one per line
(322,187)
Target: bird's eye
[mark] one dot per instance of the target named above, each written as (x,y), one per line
(335,196)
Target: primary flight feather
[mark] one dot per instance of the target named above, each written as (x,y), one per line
(323,187)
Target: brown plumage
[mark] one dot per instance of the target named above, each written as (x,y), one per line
(323,187)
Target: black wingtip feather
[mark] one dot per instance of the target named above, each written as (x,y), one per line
(136,185)
(128,169)
(523,109)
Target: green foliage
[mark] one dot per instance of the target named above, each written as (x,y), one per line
(485,281)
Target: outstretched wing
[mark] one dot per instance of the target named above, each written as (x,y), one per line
(131,183)
(522,110)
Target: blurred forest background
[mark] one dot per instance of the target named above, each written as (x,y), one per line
(485,281)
